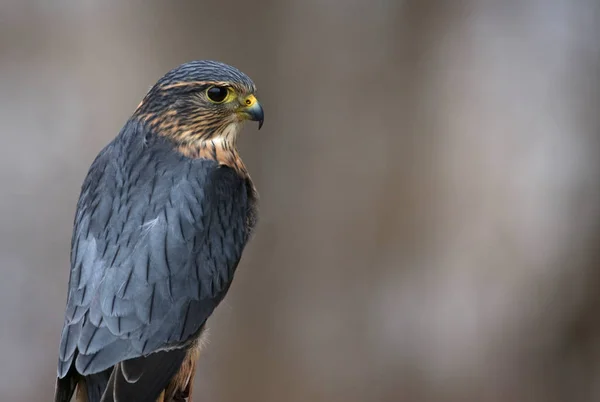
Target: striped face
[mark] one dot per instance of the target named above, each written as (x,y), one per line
(199,102)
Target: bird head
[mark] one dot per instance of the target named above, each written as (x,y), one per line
(199,101)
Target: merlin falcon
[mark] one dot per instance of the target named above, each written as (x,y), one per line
(162,220)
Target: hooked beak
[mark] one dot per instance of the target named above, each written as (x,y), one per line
(252,110)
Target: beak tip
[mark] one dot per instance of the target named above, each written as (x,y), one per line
(260,124)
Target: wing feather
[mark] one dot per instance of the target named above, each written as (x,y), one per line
(156,241)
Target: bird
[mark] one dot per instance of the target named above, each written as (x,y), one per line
(163,216)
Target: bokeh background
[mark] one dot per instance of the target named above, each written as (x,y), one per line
(429,175)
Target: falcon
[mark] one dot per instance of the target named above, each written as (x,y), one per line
(162,220)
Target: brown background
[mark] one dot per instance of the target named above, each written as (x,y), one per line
(429,177)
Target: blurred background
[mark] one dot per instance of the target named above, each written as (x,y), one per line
(429,175)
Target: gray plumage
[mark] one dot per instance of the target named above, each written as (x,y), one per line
(156,242)
(161,223)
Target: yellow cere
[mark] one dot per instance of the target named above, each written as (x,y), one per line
(250,100)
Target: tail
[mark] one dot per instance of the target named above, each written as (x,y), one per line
(65,387)
(160,377)
(89,388)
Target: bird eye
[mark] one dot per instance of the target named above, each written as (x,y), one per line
(217,94)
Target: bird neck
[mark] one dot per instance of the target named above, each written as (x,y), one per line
(198,140)
(220,147)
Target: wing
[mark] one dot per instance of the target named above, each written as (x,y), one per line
(156,242)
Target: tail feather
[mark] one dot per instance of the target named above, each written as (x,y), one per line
(143,379)
(65,387)
(160,377)
(92,387)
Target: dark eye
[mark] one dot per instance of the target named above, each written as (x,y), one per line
(217,94)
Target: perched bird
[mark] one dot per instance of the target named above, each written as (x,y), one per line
(163,217)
